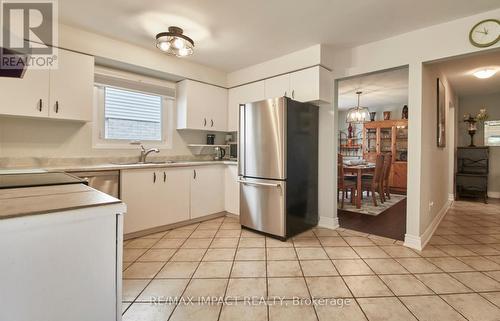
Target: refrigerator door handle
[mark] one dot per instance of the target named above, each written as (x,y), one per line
(257,183)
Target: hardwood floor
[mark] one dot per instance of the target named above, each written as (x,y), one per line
(390,223)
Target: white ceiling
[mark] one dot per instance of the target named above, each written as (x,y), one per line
(459,72)
(231,34)
(380,90)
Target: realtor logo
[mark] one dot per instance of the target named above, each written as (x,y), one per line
(29,34)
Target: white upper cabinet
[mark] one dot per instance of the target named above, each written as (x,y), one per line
(241,95)
(201,106)
(64,92)
(71,87)
(278,86)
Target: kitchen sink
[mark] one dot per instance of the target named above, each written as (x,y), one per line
(146,163)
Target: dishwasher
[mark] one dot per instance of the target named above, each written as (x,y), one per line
(105,181)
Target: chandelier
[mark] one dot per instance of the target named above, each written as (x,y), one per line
(174,42)
(358,114)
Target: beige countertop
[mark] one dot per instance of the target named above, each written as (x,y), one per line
(17,202)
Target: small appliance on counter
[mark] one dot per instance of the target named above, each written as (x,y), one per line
(233,151)
(210,139)
(220,152)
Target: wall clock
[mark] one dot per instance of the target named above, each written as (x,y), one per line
(485,33)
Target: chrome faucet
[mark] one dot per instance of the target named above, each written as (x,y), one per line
(145,153)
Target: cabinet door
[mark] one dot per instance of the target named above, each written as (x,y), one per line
(305,84)
(142,192)
(241,95)
(176,192)
(27,96)
(232,190)
(207,191)
(278,86)
(217,109)
(71,87)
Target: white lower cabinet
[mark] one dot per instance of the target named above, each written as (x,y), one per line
(232,190)
(155,197)
(207,190)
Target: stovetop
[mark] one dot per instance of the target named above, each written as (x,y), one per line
(38,179)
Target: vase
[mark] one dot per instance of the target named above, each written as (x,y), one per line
(387,115)
(404,114)
(372,115)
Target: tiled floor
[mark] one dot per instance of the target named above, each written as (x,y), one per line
(353,276)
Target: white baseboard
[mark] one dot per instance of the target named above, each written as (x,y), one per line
(328,222)
(451,197)
(494,194)
(414,242)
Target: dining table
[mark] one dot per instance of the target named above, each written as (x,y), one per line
(359,171)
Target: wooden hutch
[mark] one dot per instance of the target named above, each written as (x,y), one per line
(389,136)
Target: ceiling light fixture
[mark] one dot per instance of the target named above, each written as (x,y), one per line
(358,114)
(484,73)
(174,42)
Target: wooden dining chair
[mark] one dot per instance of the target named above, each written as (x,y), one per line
(343,184)
(374,184)
(386,191)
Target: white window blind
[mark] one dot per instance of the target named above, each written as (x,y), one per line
(131,115)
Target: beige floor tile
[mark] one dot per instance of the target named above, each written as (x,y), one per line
(125,306)
(370,252)
(418,265)
(248,269)
(385,309)
(125,265)
(477,281)
(305,253)
(327,287)
(442,283)
(473,307)
(132,288)
(358,241)
(224,243)
(178,234)
(352,267)
(398,251)
(480,263)
(201,234)
(292,312)
(198,289)
(155,255)
(149,312)
(169,243)
(450,264)
(248,233)
(379,240)
(456,250)
(252,242)
(493,297)
(241,288)
(213,270)
(190,312)
(427,308)
(230,226)
(251,254)
(482,249)
(209,225)
(306,242)
(405,285)
(495,258)
(494,274)
(325,232)
(346,312)
(164,290)
(140,243)
(281,253)
(305,234)
(243,312)
(343,252)
(219,255)
(201,243)
(176,270)
(432,251)
(142,270)
(386,266)
(228,233)
(332,241)
(158,235)
(188,255)
(287,288)
(130,255)
(367,286)
(283,268)
(318,268)
(272,243)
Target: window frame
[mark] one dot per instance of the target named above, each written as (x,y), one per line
(98,130)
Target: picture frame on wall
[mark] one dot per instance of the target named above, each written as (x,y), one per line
(441,115)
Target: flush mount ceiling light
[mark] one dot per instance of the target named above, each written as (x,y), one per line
(174,42)
(358,114)
(484,73)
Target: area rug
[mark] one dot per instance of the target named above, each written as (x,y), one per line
(367,206)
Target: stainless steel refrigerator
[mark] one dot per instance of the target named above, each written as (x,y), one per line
(278,166)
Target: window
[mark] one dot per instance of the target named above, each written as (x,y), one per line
(131,115)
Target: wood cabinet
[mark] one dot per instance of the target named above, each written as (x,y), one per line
(241,95)
(232,190)
(155,197)
(65,92)
(201,106)
(207,190)
(388,136)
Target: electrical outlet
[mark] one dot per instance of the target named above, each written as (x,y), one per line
(431,204)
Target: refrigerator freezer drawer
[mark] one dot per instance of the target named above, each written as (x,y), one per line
(262,205)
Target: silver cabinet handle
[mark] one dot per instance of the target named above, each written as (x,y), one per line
(194,173)
(256,183)
(164,177)
(204,122)
(211,123)
(154,177)
(57,106)
(293,93)
(285,93)
(40,105)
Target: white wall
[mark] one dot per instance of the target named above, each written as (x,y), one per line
(472,104)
